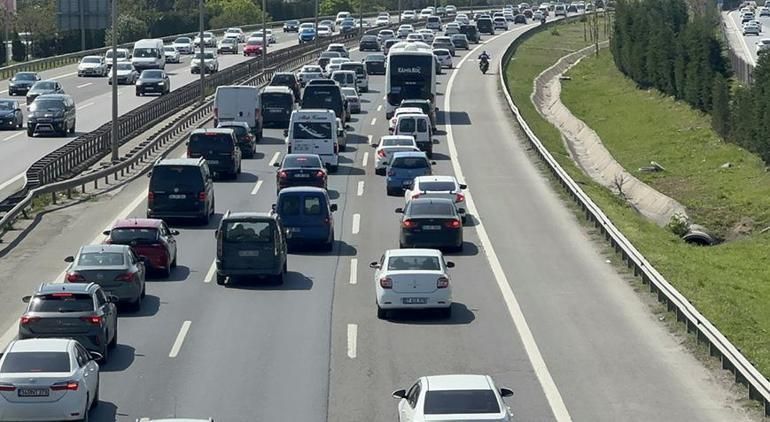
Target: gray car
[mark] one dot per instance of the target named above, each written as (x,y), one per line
(251,244)
(116,268)
(42,88)
(460,41)
(126,74)
(80,311)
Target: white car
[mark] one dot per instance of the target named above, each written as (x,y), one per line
(453,398)
(412,279)
(399,111)
(751,28)
(270,36)
(324,31)
(444,57)
(334,65)
(48,379)
(409,15)
(354,101)
(500,23)
(92,66)
(236,33)
(172,54)
(438,187)
(404,30)
(415,37)
(209,61)
(451,29)
(126,74)
(183,45)
(462,18)
(382,20)
(385,35)
(424,13)
(427,35)
(384,153)
(308,73)
(123,56)
(209,40)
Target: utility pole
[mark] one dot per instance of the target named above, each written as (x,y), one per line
(6,39)
(399,12)
(202,50)
(265,41)
(114,76)
(361,17)
(315,23)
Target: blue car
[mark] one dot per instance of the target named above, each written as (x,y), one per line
(403,168)
(306,35)
(306,214)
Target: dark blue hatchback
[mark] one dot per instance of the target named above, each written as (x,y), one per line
(306,214)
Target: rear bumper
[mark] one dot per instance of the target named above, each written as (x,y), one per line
(441,298)
(252,272)
(176,214)
(126,292)
(68,408)
(430,240)
(314,234)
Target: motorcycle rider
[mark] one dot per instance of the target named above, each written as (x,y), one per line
(484,57)
(484,61)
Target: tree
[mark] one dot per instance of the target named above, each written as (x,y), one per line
(18,49)
(38,18)
(332,7)
(129,28)
(720,106)
(226,13)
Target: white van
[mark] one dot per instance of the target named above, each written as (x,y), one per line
(434,23)
(148,54)
(239,103)
(341,17)
(345,78)
(314,131)
(418,126)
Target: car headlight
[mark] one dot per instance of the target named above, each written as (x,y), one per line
(139,82)
(161,83)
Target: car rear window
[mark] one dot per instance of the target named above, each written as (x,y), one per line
(217,142)
(290,205)
(100,259)
(275,100)
(410,163)
(133,234)
(302,161)
(282,80)
(35,362)
(452,402)
(407,263)
(431,208)
(408,125)
(248,231)
(61,302)
(437,186)
(311,205)
(239,130)
(396,142)
(168,178)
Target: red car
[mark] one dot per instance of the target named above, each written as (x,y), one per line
(252,48)
(147,237)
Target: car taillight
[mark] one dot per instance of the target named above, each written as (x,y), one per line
(95,320)
(453,224)
(391,173)
(201,196)
(150,197)
(382,154)
(459,197)
(386,283)
(7,387)
(282,174)
(320,173)
(75,278)
(125,277)
(71,385)
(26,320)
(442,283)
(409,224)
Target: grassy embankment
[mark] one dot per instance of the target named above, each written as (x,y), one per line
(728,283)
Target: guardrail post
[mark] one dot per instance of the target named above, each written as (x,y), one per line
(53,197)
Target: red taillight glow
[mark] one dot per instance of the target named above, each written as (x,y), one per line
(66,385)
(386,283)
(7,387)
(453,224)
(125,277)
(320,173)
(381,153)
(442,283)
(25,320)
(75,278)
(95,320)
(150,197)
(282,174)
(459,197)
(391,173)
(201,196)
(409,224)
(415,196)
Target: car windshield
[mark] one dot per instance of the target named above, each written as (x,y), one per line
(125,66)
(7,105)
(302,161)
(396,142)
(215,142)
(206,56)
(182,41)
(248,231)
(123,235)
(350,92)
(414,263)
(184,178)
(410,163)
(43,85)
(100,259)
(282,80)
(452,402)
(36,362)
(44,104)
(229,41)
(276,100)
(311,69)
(441,52)
(61,302)
(430,208)
(436,186)
(24,77)
(145,52)
(330,54)
(169,49)
(369,38)
(152,74)
(91,60)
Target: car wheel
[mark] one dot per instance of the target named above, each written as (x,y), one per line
(329,246)
(30,133)
(72,129)
(21,123)
(65,129)
(382,313)
(137,304)
(205,219)
(165,272)
(105,354)
(173,263)
(96,394)
(379,172)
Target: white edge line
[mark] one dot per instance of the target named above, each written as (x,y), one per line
(555,400)
(85,85)
(370,137)
(374,121)
(11,137)
(179,339)
(352,339)
(210,274)
(360,188)
(354,271)
(256,187)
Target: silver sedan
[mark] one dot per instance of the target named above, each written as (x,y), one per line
(116,268)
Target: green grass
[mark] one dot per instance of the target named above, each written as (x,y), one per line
(728,283)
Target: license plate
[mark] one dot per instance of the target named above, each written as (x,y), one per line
(431,227)
(177,196)
(33,392)
(248,253)
(275,110)
(414,300)
(302,175)
(212,161)
(407,183)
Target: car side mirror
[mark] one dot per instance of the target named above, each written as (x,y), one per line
(69,259)
(106,232)
(333,207)
(348,127)
(276,164)
(175,232)
(461,210)
(433,163)
(399,394)
(450,264)
(505,392)
(463,186)
(149,174)
(26,299)
(96,356)
(216,234)
(374,264)
(113,299)
(399,210)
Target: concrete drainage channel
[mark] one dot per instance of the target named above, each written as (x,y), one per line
(719,346)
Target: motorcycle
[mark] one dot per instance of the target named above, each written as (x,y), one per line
(484,66)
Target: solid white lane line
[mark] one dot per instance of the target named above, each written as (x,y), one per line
(179,339)
(352,338)
(84,106)
(366,158)
(353,270)
(13,136)
(374,121)
(275,158)
(356,223)
(210,274)
(256,187)
(370,138)
(379,107)
(552,394)
(360,188)
(85,85)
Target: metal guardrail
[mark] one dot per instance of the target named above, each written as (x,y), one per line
(719,346)
(742,70)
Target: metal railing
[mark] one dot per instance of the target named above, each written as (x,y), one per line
(742,70)
(718,345)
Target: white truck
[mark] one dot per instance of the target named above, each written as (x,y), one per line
(239,103)
(314,131)
(148,54)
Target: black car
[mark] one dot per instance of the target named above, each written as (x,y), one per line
(247,142)
(291,26)
(181,188)
(431,223)
(300,170)
(369,42)
(153,81)
(51,113)
(22,82)
(521,19)
(277,106)
(471,32)
(43,88)
(485,26)
(288,80)
(324,58)
(572,8)
(460,41)
(347,26)
(220,149)
(11,116)
(375,64)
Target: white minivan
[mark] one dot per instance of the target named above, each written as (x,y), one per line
(239,103)
(314,131)
(148,54)
(417,126)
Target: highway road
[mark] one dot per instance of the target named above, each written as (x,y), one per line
(538,307)
(744,45)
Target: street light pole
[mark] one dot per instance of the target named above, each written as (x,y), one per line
(6,40)
(265,41)
(114,77)
(399,12)
(315,23)
(202,62)
(82,8)
(361,17)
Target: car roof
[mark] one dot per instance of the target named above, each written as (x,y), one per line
(413,252)
(40,345)
(409,137)
(276,90)
(49,288)
(408,110)
(458,382)
(138,222)
(409,154)
(104,248)
(52,96)
(212,130)
(231,123)
(246,215)
(179,162)
(301,189)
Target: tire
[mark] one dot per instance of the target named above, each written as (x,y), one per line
(114,342)
(329,246)
(72,129)
(30,133)
(137,304)
(21,123)
(205,219)
(382,313)
(86,408)
(221,279)
(166,272)
(65,129)
(105,355)
(379,172)
(96,395)
(144,291)
(173,263)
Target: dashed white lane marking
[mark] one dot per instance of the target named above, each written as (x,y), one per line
(64,75)
(85,85)
(360,188)
(379,107)
(210,274)
(13,136)
(275,158)
(179,339)
(256,187)
(370,138)
(374,121)
(352,339)
(357,223)
(3,91)
(353,270)
(552,394)
(366,158)
(84,106)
